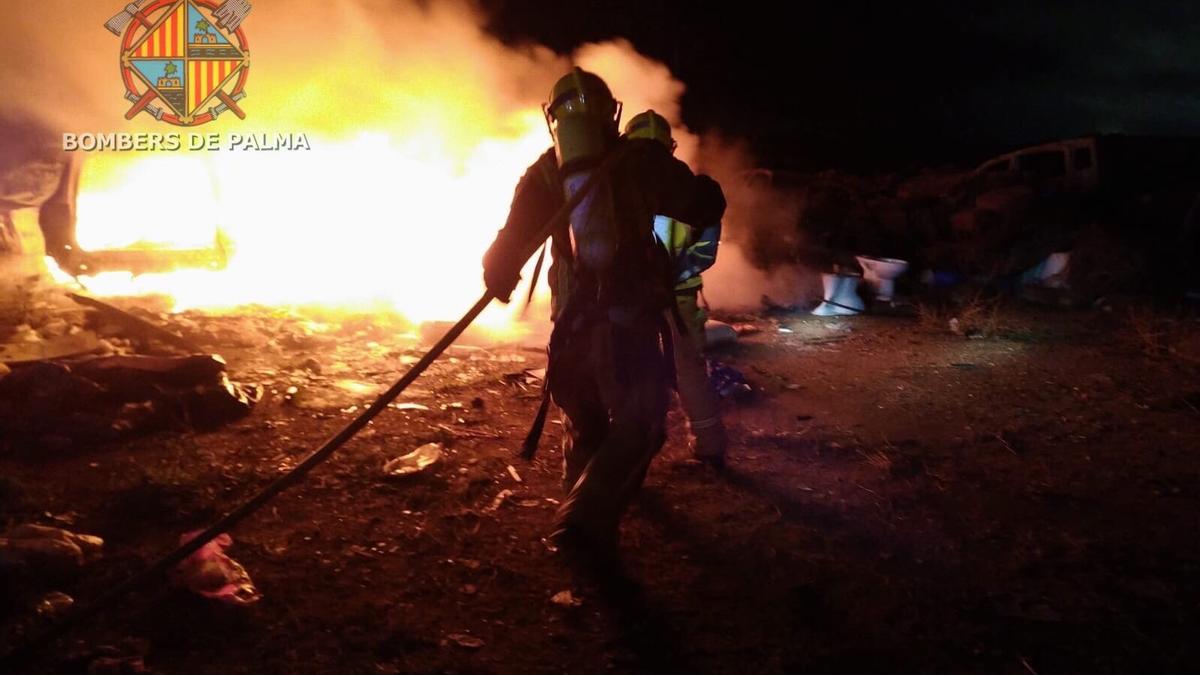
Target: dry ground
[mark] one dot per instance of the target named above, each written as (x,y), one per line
(899,499)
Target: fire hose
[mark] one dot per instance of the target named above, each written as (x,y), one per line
(23,654)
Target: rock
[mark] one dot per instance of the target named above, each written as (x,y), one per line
(54,604)
(55,328)
(25,333)
(566,599)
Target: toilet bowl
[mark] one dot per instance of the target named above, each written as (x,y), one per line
(1055,269)
(881,273)
(841,296)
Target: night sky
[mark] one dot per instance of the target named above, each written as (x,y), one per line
(882,86)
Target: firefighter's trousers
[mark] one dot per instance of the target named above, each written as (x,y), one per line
(696,394)
(611,380)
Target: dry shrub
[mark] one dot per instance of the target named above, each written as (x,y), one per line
(973,315)
(1160,335)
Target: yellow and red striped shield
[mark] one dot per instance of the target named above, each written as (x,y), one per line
(168,39)
(204,78)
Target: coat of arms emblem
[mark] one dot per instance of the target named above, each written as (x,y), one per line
(183,62)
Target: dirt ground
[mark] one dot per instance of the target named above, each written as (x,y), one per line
(898,499)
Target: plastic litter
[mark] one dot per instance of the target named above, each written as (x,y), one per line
(729,382)
(212,574)
(414,462)
(465,641)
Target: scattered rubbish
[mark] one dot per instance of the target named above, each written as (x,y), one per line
(499,501)
(105,398)
(341,395)
(410,406)
(212,574)
(527,377)
(414,462)
(54,604)
(465,641)
(358,388)
(126,659)
(729,382)
(135,325)
(717,333)
(111,665)
(940,278)
(57,551)
(467,433)
(512,471)
(29,346)
(746,328)
(566,599)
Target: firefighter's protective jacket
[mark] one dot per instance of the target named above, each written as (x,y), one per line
(645,181)
(692,251)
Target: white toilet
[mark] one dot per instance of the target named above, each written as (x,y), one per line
(841,296)
(1050,273)
(881,274)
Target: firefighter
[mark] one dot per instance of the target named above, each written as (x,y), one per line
(692,252)
(608,368)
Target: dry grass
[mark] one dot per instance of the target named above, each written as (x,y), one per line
(974,315)
(1164,336)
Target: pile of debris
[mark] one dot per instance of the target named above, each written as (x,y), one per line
(68,378)
(70,402)
(1126,208)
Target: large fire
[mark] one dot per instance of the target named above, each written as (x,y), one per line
(420,125)
(391,218)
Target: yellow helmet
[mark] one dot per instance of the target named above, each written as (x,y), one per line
(653,126)
(582,115)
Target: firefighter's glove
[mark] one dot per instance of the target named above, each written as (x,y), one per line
(501,271)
